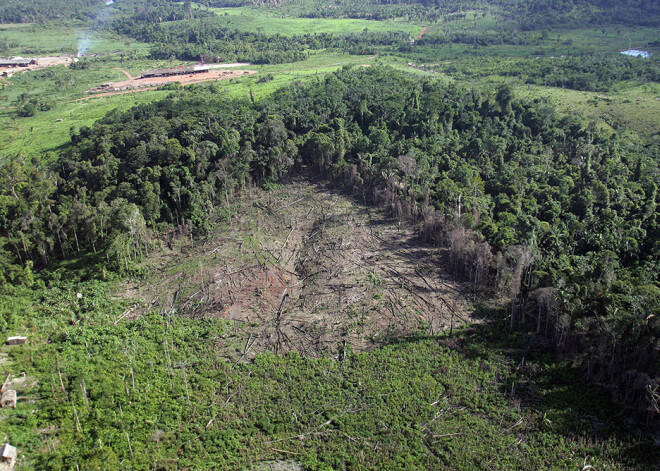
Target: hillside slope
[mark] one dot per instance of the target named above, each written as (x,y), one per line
(308,269)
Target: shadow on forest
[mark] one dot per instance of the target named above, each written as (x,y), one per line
(536,381)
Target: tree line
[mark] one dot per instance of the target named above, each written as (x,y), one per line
(529,15)
(595,73)
(204,38)
(524,14)
(551,211)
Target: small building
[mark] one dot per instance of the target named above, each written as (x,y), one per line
(17,62)
(8,399)
(17,340)
(7,456)
(195,69)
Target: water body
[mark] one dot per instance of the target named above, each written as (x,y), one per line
(637,53)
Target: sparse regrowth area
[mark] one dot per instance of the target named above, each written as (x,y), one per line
(314,235)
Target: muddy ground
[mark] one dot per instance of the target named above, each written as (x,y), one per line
(304,268)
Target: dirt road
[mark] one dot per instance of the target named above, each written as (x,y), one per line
(128,76)
(144,83)
(42,63)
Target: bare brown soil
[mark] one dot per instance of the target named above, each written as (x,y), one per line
(424,31)
(42,63)
(151,82)
(305,268)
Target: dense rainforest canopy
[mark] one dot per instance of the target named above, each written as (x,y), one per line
(525,200)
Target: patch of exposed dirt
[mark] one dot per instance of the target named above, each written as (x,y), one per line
(185,79)
(305,268)
(42,63)
(423,32)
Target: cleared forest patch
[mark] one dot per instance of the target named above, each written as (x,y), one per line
(305,268)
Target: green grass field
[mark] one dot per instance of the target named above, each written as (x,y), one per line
(270,22)
(636,108)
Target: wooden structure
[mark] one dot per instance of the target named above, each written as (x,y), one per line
(17,340)
(8,455)
(17,62)
(194,69)
(8,399)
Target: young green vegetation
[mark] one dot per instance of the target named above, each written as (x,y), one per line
(251,19)
(154,393)
(168,390)
(19,11)
(61,37)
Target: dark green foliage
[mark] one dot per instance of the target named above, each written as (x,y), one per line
(586,72)
(526,14)
(28,11)
(27,110)
(81,64)
(523,199)
(207,40)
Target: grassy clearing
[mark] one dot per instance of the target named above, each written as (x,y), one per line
(636,108)
(474,21)
(43,132)
(631,106)
(269,22)
(61,38)
(313,68)
(61,88)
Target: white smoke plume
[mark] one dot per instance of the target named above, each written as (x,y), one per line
(98,22)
